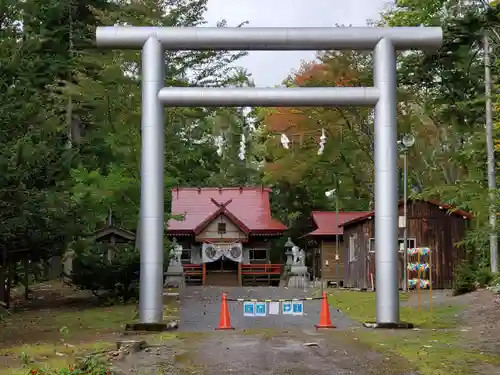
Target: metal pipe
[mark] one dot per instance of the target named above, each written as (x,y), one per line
(270,38)
(405,230)
(269,97)
(322,260)
(386,186)
(491,158)
(152,184)
(337,224)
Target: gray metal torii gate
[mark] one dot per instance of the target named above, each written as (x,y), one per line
(154,41)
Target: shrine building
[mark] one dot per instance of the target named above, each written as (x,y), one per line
(225,234)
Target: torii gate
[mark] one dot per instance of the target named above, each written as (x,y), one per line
(154,41)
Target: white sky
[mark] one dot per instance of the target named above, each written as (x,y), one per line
(269,68)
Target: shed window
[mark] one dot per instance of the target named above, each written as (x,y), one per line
(221,228)
(412,243)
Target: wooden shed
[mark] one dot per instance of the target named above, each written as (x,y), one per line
(328,241)
(430,224)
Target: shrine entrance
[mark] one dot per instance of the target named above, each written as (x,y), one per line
(222,263)
(223,272)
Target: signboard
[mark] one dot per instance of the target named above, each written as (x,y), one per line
(274,308)
(261,309)
(286,308)
(248,309)
(298,308)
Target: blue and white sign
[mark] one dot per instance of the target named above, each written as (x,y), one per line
(286,308)
(248,309)
(261,309)
(298,308)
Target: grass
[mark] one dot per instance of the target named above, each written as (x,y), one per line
(429,352)
(55,338)
(361,306)
(435,349)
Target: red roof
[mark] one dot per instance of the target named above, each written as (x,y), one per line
(327,224)
(248,208)
(442,206)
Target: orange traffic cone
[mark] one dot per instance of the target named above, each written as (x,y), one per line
(224,320)
(324,315)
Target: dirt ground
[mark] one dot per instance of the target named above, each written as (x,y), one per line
(268,353)
(59,318)
(57,312)
(482,321)
(479,319)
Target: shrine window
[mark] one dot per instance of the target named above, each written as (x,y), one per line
(221,228)
(258,255)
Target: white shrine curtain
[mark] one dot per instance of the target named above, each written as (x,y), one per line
(212,252)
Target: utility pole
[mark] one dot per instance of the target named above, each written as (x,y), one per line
(491,157)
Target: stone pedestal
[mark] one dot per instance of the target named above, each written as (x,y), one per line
(298,277)
(174,277)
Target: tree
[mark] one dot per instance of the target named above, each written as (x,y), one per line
(300,174)
(72,113)
(449,91)
(441,102)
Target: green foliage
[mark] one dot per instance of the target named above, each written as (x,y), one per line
(469,277)
(465,278)
(484,277)
(88,366)
(117,279)
(71,123)
(495,283)
(71,141)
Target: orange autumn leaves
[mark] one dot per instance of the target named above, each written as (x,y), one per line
(303,126)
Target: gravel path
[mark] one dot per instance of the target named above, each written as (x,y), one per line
(200,309)
(332,352)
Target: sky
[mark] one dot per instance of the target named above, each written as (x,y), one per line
(270,68)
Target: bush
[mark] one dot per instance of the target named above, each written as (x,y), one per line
(118,279)
(115,280)
(89,366)
(495,279)
(465,278)
(495,283)
(484,277)
(469,277)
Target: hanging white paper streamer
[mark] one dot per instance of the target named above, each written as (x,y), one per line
(241,154)
(285,141)
(219,142)
(322,141)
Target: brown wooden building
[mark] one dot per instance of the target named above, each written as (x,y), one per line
(328,228)
(430,224)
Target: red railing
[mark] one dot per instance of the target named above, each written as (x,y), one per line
(193,269)
(261,269)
